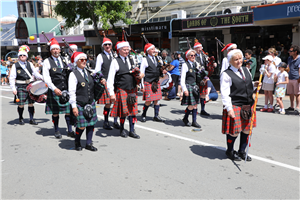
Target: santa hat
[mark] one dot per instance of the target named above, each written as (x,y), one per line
(106,41)
(23,50)
(77,55)
(53,44)
(122,44)
(73,46)
(147,47)
(229,46)
(197,44)
(231,53)
(188,52)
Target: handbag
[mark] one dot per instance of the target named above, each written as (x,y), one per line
(246,112)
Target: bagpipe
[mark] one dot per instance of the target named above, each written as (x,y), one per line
(222,45)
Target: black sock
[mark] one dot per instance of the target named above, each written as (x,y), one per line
(145,108)
(20,111)
(194,112)
(68,121)
(115,119)
(122,121)
(187,113)
(230,142)
(106,113)
(156,110)
(202,104)
(55,122)
(31,112)
(78,134)
(243,141)
(131,124)
(89,134)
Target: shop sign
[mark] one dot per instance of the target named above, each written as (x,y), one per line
(154,28)
(217,21)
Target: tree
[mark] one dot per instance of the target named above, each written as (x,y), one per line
(106,12)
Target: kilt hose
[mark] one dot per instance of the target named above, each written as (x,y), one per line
(190,100)
(23,95)
(120,108)
(54,107)
(148,95)
(105,97)
(236,125)
(81,121)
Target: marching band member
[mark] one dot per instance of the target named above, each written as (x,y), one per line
(55,76)
(81,88)
(20,76)
(150,83)
(103,62)
(201,58)
(225,62)
(188,82)
(126,89)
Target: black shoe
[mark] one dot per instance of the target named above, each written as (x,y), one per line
(242,154)
(203,112)
(57,135)
(33,122)
(158,119)
(195,124)
(143,119)
(78,146)
(232,155)
(71,134)
(290,109)
(123,133)
(116,125)
(21,121)
(186,122)
(134,135)
(107,126)
(90,147)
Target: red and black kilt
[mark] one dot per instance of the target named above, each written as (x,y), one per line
(105,97)
(203,90)
(149,95)
(120,108)
(23,95)
(236,125)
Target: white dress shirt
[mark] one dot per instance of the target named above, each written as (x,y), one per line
(13,74)
(113,69)
(46,73)
(225,65)
(144,65)
(225,83)
(99,61)
(184,70)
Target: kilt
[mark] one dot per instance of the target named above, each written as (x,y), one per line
(149,95)
(236,125)
(54,107)
(203,90)
(120,108)
(190,100)
(23,95)
(105,97)
(81,121)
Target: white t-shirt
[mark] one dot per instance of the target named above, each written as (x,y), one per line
(281,78)
(271,69)
(277,60)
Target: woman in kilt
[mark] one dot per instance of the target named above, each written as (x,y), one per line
(119,77)
(81,90)
(20,76)
(187,82)
(236,90)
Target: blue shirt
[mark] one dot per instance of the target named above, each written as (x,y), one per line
(294,67)
(213,89)
(175,70)
(3,69)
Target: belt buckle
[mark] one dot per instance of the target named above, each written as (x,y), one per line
(27,81)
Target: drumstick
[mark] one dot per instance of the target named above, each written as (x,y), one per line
(17,98)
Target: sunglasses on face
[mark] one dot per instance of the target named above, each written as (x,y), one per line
(193,55)
(21,55)
(291,51)
(107,44)
(82,60)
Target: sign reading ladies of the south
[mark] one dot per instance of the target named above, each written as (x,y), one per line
(216,21)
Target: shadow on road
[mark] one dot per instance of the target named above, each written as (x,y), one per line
(99,131)
(208,152)
(50,132)
(69,144)
(16,121)
(212,116)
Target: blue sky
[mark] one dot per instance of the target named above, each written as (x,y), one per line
(9,7)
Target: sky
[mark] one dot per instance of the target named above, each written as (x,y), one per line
(8,7)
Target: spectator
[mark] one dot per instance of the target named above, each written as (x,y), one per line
(276,59)
(3,73)
(281,79)
(165,57)
(252,64)
(284,55)
(175,71)
(210,95)
(92,63)
(181,62)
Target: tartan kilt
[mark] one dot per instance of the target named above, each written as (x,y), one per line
(238,124)
(120,108)
(81,121)
(190,100)
(105,97)
(203,90)
(23,95)
(149,95)
(54,107)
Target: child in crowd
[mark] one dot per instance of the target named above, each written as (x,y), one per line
(208,93)
(281,79)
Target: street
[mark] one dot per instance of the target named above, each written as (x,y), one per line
(169,161)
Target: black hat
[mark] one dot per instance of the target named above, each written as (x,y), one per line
(282,64)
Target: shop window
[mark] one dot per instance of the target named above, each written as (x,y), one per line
(143,21)
(168,18)
(162,19)
(31,7)
(219,12)
(39,8)
(244,9)
(155,19)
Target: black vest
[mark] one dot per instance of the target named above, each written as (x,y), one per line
(105,65)
(190,77)
(241,91)
(123,78)
(58,75)
(21,74)
(152,71)
(84,89)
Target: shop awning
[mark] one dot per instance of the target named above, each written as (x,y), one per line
(26,27)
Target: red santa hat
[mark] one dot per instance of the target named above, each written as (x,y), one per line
(147,47)
(122,44)
(233,52)
(73,46)
(197,44)
(106,41)
(229,46)
(53,44)
(188,52)
(77,55)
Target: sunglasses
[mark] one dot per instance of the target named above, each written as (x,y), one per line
(21,55)
(291,51)
(82,60)
(193,55)
(107,44)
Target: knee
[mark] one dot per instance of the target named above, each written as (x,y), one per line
(55,115)
(246,132)
(21,106)
(81,128)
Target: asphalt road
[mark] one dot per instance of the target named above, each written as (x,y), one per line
(170,161)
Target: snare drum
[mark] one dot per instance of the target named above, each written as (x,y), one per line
(38,91)
(166,82)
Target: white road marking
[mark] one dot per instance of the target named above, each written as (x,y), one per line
(201,143)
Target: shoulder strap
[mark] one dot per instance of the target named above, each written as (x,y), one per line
(27,72)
